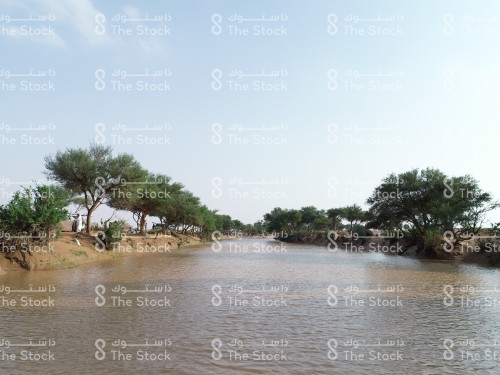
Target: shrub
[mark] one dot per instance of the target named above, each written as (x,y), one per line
(35,210)
(433,238)
(32,217)
(113,233)
(360,230)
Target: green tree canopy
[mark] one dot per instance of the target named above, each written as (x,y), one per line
(428,200)
(353,214)
(145,197)
(93,173)
(37,210)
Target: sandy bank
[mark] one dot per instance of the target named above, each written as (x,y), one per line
(73,249)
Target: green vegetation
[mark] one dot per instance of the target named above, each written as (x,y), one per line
(94,176)
(113,233)
(425,205)
(429,207)
(93,173)
(309,219)
(30,220)
(79,253)
(430,204)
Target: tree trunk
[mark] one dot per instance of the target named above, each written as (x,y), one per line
(137,217)
(89,219)
(95,203)
(143,223)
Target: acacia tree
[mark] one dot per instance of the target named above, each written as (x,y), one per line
(431,203)
(207,220)
(223,222)
(276,220)
(182,208)
(352,214)
(93,173)
(293,220)
(188,206)
(335,217)
(144,197)
(313,219)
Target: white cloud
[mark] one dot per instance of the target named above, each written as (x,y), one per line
(72,15)
(131,12)
(53,40)
(12,3)
(77,14)
(18,31)
(76,23)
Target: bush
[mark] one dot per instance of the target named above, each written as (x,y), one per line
(113,233)
(36,210)
(32,218)
(360,230)
(433,239)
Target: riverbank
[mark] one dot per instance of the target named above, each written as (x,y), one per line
(73,249)
(469,252)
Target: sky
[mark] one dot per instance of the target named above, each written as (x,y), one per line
(254,105)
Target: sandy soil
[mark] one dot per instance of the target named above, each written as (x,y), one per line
(73,249)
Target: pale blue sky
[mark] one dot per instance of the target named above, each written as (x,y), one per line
(335,146)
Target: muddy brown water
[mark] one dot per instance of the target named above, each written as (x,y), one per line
(252,306)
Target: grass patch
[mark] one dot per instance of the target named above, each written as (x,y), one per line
(79,253)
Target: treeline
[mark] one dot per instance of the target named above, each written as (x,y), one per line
(430,208)
(311,219)
(94,176)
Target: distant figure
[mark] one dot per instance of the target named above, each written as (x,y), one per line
(78,224)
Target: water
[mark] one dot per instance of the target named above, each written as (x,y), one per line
(303,311)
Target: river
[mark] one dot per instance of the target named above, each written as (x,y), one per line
(252,306)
